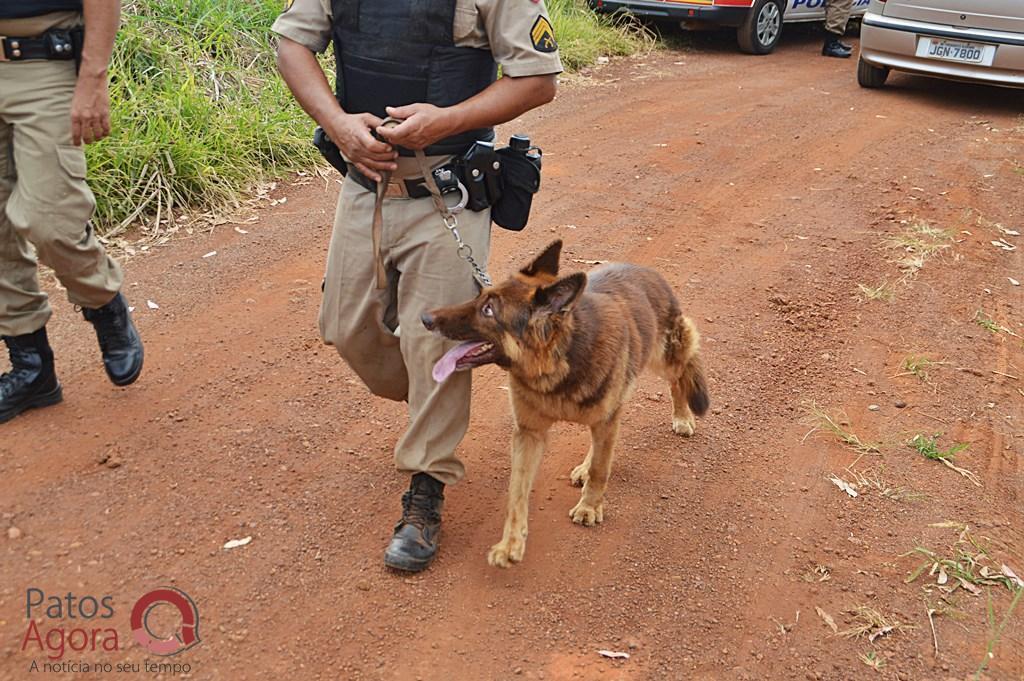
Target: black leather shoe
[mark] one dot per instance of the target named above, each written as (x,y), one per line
(32,381)
(415,541)
(119,340)
(833,47)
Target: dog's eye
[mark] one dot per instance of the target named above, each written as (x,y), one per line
(487,310)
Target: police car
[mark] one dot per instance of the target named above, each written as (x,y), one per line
(758,22)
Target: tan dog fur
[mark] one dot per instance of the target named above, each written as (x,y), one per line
(574,348)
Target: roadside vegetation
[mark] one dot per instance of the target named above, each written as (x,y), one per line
(200,115)
(583,35)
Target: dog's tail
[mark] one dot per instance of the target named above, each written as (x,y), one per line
(684,348)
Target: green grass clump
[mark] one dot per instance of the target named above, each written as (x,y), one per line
(929,448)
(584,35)
(199,112)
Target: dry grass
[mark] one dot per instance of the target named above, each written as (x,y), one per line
(821,420)
(919,242)
(872,482)
(871,623)
(884,291)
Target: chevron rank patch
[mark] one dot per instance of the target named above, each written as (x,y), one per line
(543,36)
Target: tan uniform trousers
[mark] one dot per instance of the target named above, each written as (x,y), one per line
(44,200)
(424,272)
(837,15)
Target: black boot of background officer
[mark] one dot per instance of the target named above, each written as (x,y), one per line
(32,381)
(414,544)
(119,340)
(834,47)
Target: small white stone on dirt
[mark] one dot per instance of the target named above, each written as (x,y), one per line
(235,543)
(13,533)
(873,407)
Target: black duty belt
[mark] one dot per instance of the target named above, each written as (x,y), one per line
(414,188)
(55,44)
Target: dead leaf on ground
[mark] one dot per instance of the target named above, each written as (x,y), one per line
(843,485)
(827,618)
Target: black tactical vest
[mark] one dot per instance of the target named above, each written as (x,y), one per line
(18,9)
(398,52)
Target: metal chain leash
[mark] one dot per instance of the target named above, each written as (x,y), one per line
(465,251)
(451,223)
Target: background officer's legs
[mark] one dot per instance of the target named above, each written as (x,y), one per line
(23,307)
(48,204)
(51,203)
(837,15)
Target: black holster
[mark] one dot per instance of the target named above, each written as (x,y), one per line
(520,180)
(329,150)
(77,45)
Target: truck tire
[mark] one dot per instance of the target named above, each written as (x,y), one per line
(871,76)
(761,29)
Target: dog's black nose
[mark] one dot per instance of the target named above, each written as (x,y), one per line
(428,320)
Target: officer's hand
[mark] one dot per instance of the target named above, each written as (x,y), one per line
(90,110)
(353,133)
(421,126)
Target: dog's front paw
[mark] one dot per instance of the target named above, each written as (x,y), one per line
(504,553)
(584,514)
(580,474)
(683,426)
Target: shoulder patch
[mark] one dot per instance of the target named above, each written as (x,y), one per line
(542,35)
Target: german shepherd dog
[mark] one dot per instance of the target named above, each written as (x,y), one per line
(574,348)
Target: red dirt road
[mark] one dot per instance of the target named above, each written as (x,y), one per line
(765,190)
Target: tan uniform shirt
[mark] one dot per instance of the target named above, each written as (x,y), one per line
(30,27)
(517,32)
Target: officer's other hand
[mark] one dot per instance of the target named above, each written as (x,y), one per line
(90,110)
(353,133)
(422,125)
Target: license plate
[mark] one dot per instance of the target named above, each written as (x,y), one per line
(956,50)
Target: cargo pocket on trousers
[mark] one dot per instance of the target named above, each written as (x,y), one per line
(72,160)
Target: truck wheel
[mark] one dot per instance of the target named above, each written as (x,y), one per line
(761,29)
(871,76)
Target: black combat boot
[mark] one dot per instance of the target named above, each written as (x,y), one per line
(31,382)
(834,47)
(119,341)
(415,541)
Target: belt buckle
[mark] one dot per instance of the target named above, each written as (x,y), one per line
(395,190)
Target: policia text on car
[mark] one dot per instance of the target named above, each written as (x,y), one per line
(432,66)
(53,96)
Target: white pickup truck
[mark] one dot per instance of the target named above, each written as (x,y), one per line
(758,22)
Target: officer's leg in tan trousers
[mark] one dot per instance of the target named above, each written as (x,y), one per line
(44,200)
(424,272)
(837,15)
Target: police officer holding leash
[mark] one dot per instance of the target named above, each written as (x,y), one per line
(53,96)
(413,115)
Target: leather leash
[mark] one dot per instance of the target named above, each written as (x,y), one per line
(451,223)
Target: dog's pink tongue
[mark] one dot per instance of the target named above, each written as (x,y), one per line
(445,366)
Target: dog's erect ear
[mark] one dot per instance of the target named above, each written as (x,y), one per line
(562,295)
(546,262)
